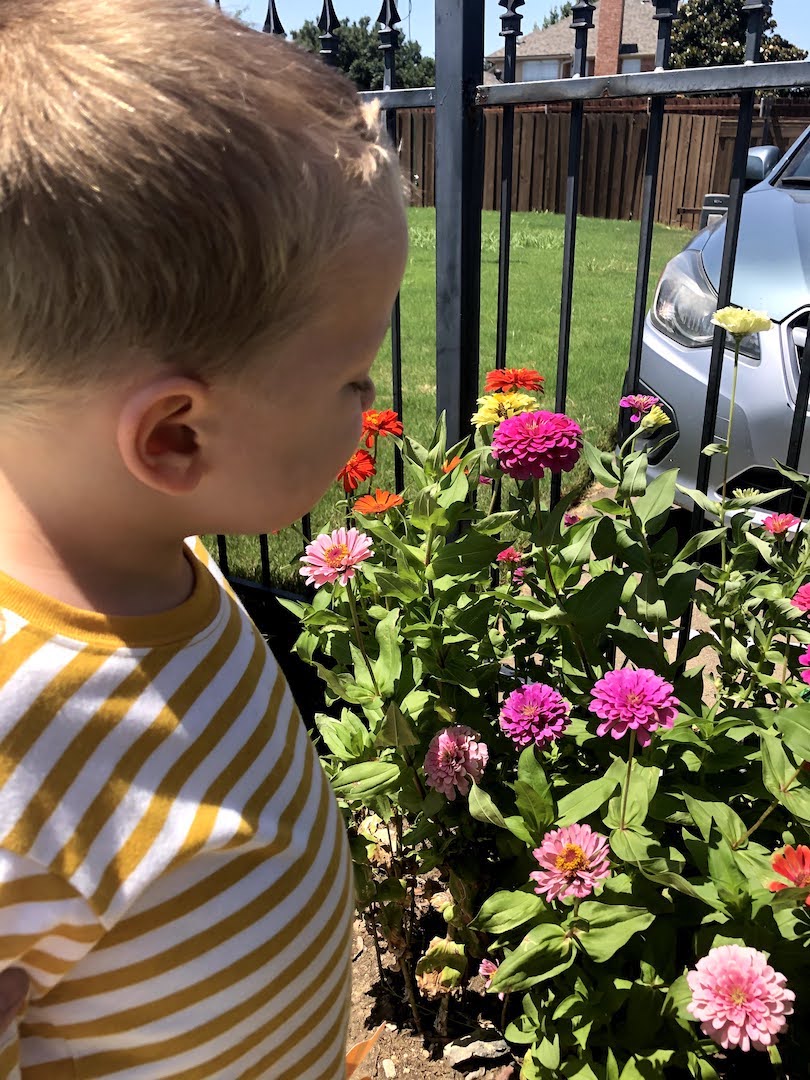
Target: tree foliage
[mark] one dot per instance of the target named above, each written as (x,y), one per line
(557,13)
(360,57)
(710,33)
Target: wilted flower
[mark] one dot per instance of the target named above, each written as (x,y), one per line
(778,524)
(358,468)
(740,322)
(525,446)
(380,422)
(656,418)
(333,557)
(534,713)
(573,862)
(504,382)
(485,480)
(497,407)
(378,503)
(488,968)
(570,519)
(738,998)
(793,864)
(633,700)
(639,403)
(454,759)
(802,598)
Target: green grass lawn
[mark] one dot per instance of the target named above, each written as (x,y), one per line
(600,338)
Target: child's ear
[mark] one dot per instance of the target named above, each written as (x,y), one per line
(159,434)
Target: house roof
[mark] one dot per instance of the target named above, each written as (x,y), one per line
(638,30)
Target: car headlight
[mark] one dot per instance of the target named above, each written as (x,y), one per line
(685,302)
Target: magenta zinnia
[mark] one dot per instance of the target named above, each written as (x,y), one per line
(333,557)
(804,660)
(453,759)
(628,700)
(738,998)
(573,862)
(534,713)
(488,969)
(509,555)
(639,403)
(802,598)
(531,442)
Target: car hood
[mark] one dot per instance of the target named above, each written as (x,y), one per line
(772,272)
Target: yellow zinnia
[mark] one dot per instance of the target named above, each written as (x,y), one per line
(656,418)
(497,407)
(740,322)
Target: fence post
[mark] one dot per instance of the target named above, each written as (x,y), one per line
(328,23)
(459,195)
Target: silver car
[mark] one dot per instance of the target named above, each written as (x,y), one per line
(772,274)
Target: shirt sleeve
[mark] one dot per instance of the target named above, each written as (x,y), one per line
(46,927)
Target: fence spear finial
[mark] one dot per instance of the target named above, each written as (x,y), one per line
(756,13)
(582,22)
(272,24)
(328,23)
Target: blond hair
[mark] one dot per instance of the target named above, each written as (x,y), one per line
(170,181)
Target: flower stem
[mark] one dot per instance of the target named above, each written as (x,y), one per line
(359,635)
(496,490)
(626,791)
(541,545)
(766,813)
(730,420)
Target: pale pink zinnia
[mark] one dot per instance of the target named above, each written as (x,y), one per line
(534,714)
(779,524)
(573,862)
(333,556)
(454,759)
(488,969)
(738,998)
(802,598)
(640,403)
(628,700)
(531,442)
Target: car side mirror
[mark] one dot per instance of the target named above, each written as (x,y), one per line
(761,159)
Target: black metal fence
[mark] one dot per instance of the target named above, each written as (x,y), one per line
(459,98)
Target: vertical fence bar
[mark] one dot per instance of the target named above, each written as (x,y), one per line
(510,31)
(272,23)
(389,43)
(459,194)
(582,23)
(222,554)
(264,552)
(799,414)
(755,11)
(665,13)
(328,23)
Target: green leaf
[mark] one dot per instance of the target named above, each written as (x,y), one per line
(584,800)
(388,665)
(701,540)
(346,687)
(369,778)
(791,474)
(601,464)
(346,738)
(447,957)
(503,911)
(397,729)
(794,727)
(610,926)
(594,604)
(634,481)
(495,523)
(530,771)
(482,808)
(658,499)
(537,812)
(779,777)
(715,448)
(465,557)
(544,952)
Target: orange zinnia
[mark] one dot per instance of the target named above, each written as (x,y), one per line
(378,422)
(378,503)
(358,468)
(451,464)
(511,379)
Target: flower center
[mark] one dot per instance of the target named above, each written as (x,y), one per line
(633,698)
(336,555)
(529,711)
(572,859)
(738,996)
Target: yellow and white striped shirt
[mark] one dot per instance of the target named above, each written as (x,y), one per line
(174,871)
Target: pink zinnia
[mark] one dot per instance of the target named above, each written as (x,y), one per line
(641,403)
(778,524)
(534,713)
(488,969)
(573,862)
(804,660)
(485,480)
(793,864)
(453,759)
(509,555)
(518,574)
(333,557)
(738,998)
(570,519)
(628,700)
(802,598)
(527,444)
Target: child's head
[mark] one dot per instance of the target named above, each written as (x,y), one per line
(189,211)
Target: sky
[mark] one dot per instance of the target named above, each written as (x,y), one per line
(791,17)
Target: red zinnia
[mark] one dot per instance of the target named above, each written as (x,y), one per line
(378,503)
(380,422)
(510,379)
(779,524)
(794,865)
(358,468)
(451,464)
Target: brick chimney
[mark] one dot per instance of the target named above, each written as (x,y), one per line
(609,36)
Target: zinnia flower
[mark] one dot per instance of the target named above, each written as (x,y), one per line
(802,598)
(333,557)
(358,468)
(487,969)
(526,445)
(639,403)
(804,660)
(518,574)
(656,418)
(534,713)
(503,382)
(794,865)
(738,998)
(570,519)
(499,407)
(453,759)
(378,503)
(485,480)
(740,322)
(509,555)
(778,524)
(453,463)
(573,862)
(380,422)
(628,700)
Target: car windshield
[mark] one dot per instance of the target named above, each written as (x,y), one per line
(798,171)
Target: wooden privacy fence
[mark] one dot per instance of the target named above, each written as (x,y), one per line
(695,159)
